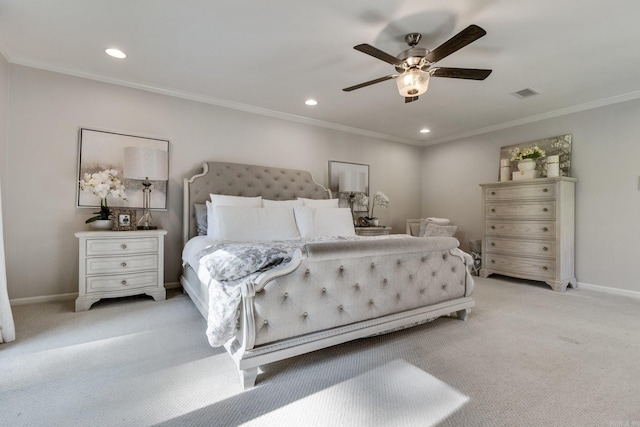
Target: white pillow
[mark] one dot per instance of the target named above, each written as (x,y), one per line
(431,220)
(319,203)
(223,200)
(240,224)
(321,222)
(266,203)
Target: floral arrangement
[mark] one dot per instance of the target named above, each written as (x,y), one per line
(103,184)
(379,199)
(528,153)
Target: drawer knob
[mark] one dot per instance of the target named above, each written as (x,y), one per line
(123,264)
(493,261)
(545,190)
(124,283)
(493,193)
(493,244)
(493,227)
(545,229)
(544,248)
(545,268)
(493,210)
(544,209)
(123,246)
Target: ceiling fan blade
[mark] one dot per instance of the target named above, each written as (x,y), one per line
(461,73)
(457,42)
(377,53)
(409,99)
(370,82)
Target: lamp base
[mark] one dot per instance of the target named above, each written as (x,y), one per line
(147,227)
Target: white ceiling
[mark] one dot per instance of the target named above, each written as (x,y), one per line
(269,56)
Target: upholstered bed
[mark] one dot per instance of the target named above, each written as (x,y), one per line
(325,290)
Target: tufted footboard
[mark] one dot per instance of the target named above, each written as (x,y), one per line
(338,291)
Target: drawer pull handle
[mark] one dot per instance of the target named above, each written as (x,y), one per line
(544,248)
(493,227)
(545,268)
(493,261)
(123,246)
(544,209)
(493,210)
(544,190)
(493,193)
(124,283)
(545,229)
(493,244)
(123,264)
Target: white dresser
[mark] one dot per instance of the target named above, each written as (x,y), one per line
(120,263)
(529,230)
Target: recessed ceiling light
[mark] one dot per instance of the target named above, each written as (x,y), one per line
(425,130)
(116,53)
(311,102)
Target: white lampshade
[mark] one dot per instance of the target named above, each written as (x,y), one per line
(142,163)
(413,82)
(352,182)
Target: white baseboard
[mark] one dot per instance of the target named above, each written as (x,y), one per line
(609,290)
(65,297)
(43,299)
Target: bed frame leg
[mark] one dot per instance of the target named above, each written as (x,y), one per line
(463,314)
(248,377)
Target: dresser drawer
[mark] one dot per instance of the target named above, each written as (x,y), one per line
(520,267)
(121,246)
(135,263)
(122,282)
(541,210)
(524,247)
(532,229)
(534,191)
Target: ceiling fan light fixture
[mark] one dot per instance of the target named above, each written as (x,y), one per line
(413,82)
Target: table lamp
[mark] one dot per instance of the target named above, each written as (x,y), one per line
(145,164)
(352,182)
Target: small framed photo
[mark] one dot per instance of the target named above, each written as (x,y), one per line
(124,220)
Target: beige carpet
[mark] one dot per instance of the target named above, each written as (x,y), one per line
(527,356)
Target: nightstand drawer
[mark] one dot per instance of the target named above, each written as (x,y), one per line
(542,210)
(536,191)
(530,229)
(521,267)
(122,282)
(122,264)
(121,246)
(521,247)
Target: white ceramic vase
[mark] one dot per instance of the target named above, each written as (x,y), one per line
(526,165)
(102,224)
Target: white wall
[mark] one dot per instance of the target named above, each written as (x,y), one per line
(46,111)
(605,160)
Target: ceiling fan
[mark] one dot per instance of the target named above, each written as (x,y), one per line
(416,64)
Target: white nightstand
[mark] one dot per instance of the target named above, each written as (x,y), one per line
(120,263)
(373,231)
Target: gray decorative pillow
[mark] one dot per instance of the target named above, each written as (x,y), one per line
(201,218)
(434,230)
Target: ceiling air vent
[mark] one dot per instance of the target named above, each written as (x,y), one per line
(525,93)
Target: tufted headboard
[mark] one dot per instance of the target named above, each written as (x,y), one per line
(235,179)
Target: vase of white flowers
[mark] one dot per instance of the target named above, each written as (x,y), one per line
(379,199)
(103,184)
(526,158)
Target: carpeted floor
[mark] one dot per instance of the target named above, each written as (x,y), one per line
(527,356)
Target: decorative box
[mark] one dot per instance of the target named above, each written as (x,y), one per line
(520,175)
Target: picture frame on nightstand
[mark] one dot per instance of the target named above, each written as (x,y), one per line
(124,220)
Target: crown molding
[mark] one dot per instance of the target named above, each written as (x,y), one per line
(215,101)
